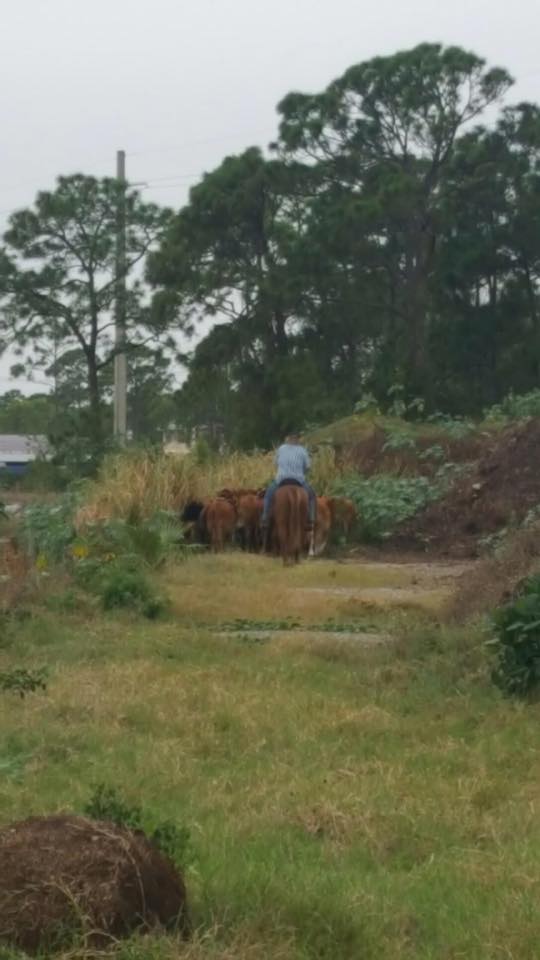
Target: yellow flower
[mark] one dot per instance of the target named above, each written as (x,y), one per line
(41,561)
(80,551)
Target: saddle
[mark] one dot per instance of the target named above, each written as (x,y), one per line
(289,483)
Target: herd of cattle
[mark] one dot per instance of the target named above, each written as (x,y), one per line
(235,516)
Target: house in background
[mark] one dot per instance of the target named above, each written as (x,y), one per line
(18,451)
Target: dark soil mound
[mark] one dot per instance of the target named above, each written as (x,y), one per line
(499,491)
(64,876)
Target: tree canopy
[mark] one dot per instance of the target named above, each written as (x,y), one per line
(389,239)
(57,277)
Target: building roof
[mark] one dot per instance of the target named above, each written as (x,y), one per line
(22,448)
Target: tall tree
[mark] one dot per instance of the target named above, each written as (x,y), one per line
(225,256)
(57,274)
(386,131)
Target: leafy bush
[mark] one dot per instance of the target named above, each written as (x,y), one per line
(398,438)
(384,501)
(172,840)
(121,582)
(47,528)
(152,540)
(515,407)
(517,642)
(456,427)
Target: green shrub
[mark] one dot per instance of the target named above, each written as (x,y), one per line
(398,438)
(384,501)
(153,540)
(172,840)
(122,584)
(516,644)
(455,427)
(515,407)
(47,528)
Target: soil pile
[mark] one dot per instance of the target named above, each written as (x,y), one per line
(499,491)
(63,877)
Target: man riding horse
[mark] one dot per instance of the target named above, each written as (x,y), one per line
(292,462)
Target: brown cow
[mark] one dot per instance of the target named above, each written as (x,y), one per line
(248,523)
(323,525)
(344,513)
(219,517)
(291,519)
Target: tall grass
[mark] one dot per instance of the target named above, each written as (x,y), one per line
(141,483)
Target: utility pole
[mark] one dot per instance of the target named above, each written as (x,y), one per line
(120,362)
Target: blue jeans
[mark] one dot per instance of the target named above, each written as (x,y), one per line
(269,496)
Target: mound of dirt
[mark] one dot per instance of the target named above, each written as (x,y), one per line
(496,578)
(373,454)
(62,876)
(498,491)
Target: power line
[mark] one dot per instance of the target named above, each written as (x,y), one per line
(158,183)
(186,143)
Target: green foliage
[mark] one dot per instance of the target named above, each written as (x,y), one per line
(153,540)
(173,841)
(57,274)
(398,437)
(240,624)
(456,427)
(46,529)
(367,404)
(121,582)
(202,451)
(515,407)
(23,681)
(435,452)
(69,601)
(517,642)
(384,501)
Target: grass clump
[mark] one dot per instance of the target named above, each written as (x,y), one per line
(23,681)
(106,803)
(121,582)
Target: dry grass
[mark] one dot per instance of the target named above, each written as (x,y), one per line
(495,577)
(142,483)
(213,589)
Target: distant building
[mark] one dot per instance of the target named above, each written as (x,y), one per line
(176,448)
(175,442)
(18,451)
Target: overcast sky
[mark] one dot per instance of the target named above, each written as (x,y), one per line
(180,83)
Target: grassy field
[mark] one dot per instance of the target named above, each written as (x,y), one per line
(344,800)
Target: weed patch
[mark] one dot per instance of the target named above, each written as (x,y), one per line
(22,681)
(174,841)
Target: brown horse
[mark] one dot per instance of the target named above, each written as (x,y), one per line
(290,519)
(219,517)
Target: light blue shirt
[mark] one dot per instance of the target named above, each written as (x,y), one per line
(292,462)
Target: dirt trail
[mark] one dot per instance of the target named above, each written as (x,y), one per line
(386,586)
(425,585)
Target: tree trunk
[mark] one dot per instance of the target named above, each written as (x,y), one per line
(418,267)
(95,420)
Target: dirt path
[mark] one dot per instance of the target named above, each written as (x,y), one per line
(426,585)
